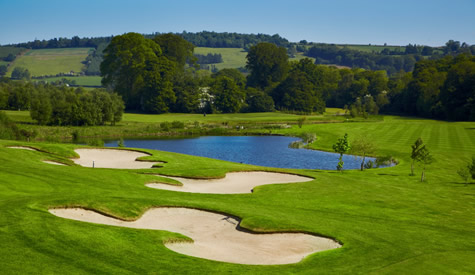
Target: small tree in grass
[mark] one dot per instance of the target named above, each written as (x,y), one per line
(341,146)
(425,158)
(416,147)
(362,146)
(300,121)
(467,172)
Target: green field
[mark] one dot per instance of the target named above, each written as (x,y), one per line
(51,61)
(373,48)
(80,80)
(232,57)
(388,221)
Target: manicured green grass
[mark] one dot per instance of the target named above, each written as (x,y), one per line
(388,221)
(80,80)
(51,61)
(232,57)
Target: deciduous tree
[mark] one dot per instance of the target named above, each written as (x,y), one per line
(341,146)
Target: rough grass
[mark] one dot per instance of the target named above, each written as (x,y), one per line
(388,221)
(80,80)
(51,61)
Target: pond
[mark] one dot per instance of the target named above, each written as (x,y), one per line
(270,151)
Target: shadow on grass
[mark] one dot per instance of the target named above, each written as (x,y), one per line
(392,175)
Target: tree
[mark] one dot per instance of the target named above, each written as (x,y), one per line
(234,74)
(471,168)
(458,93)
(228,97)
(297,93)
(268,64)
(176,49)
(341,146)
(40,109)
(3,70)
(127,59)
(258,101)
(416,151)
(425,158)
(362,146)
(20,73)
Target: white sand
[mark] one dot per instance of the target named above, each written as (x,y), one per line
(54,162)
(22,147)
(215,236)
(110,158)
(232,183)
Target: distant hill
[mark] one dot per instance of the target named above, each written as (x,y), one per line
(233,47)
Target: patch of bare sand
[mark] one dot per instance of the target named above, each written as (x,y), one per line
(54,162)
(111,158)
(215,236)
(22,147)
(232,183)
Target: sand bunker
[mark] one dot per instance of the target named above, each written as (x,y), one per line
(22,147)
(110,158)
(215,236)
(232,183)
(54,162)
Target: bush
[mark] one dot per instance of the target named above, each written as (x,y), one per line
(300,121)
(308,137)
(369,164)
(385,161)
(165,126)
(96,142)
(177,125)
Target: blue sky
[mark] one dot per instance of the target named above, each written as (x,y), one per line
(396,22)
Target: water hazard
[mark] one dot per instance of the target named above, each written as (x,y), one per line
(270,151)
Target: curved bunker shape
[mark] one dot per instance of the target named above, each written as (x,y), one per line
(111,158)
(54,162)
(23,147)
(216,236)
(232,183)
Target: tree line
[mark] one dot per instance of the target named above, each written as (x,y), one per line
(392,61)
(210,58)
(61,105)
(157,79)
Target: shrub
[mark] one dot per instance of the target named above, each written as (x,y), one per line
(165,126)
(177,125)
(300,121)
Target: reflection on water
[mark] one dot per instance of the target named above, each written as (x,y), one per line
(270,151)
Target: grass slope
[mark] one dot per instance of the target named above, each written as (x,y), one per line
(51,61)
(388,221)
(232,57)
(80,80)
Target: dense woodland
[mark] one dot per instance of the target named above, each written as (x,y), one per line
(159,75)
(391,59)
(61,105)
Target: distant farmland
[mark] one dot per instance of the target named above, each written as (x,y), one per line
(51,61)
(234,57)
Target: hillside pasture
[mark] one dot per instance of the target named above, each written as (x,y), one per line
(51,61)
(80,80)
(233,58)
